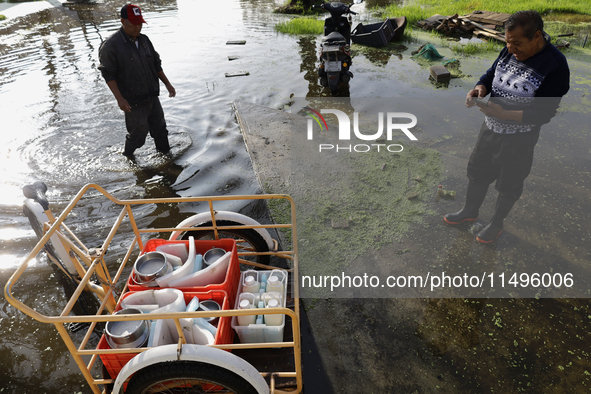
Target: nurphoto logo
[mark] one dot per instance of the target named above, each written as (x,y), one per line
(392,120)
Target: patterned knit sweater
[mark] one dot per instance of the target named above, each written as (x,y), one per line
(514,85)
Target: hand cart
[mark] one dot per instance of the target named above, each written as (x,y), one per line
(181,366)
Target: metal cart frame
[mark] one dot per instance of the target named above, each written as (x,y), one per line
(94,263)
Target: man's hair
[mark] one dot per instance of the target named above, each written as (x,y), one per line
(530,21)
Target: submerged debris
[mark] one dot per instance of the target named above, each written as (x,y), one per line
(237,74)
(427,51)
(439,73)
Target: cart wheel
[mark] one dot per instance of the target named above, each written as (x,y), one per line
(187,377)
(251,240)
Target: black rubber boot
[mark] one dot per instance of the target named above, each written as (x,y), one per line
(128,150)
(474,198)
(490,233)
(128,154)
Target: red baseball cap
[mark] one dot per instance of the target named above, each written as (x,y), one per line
(133,13)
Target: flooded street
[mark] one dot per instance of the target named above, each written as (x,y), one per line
(61,125)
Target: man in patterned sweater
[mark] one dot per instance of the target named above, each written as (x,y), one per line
(525,84)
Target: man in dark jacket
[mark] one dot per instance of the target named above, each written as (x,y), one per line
(132,69)
(525,84)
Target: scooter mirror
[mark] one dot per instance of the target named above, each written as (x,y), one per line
(357,1)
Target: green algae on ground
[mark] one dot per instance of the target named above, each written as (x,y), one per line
(539,345)
(472,48)
(280,210)
(372,203)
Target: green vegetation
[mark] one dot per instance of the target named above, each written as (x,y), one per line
(570,10)
(473,48)
(281,212)
(2,17)
(301,26)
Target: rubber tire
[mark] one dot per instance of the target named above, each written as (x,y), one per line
(166,371)
(249,235)
(334,86)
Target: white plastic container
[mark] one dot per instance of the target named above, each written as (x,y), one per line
(177,249)
(250,282)
(276,282)
(261,333)
(273,320)
(160,335)
(213,274)
(175,261)
(266,297)
(245,320)
(181,272)
(201,336)
(162,301)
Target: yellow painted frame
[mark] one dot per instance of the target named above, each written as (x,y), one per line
(95,263)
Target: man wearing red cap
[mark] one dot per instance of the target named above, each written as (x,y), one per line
(132,69)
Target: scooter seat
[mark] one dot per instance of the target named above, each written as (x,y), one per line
(335,36)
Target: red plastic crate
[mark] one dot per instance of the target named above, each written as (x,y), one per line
(224,335)
(230,284)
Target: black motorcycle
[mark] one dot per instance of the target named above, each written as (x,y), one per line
(335,55)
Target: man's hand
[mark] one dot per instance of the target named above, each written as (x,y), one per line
(478,91)
(121,102)
(124,105)
(171,91)
(496,111)
(166,82)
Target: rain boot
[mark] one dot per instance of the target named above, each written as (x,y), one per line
(128,151)
(490,233)
(474,198)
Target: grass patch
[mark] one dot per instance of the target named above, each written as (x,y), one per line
(568,17)
(423,9)
(2,17)
(280,210)
(301,26)
(474,48)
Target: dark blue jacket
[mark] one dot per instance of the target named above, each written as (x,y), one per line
(135,69)
(534,86)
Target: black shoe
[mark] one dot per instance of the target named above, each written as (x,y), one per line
(490,233)
(474,198)
(465,215)
(129,155)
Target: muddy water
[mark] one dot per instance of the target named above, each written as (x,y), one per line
(60,124)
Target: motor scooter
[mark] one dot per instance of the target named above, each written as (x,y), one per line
(335,55)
